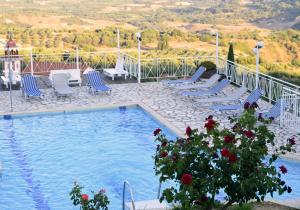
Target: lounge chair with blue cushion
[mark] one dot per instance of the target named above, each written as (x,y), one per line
(206,84)
(193,79)
(253,97)
(30,87)
(275,110)
(95,82)
(232,97)
(211,91)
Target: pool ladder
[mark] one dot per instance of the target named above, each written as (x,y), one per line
(127,184)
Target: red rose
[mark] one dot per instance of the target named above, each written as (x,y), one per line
(164,154)
(187,179)
(228,139)
(283,169)
(157,131)
(85,197)
(215,155)
(292,141)
(174,157)
(247,105)
(232,158)
(254,105)
(164,144)
(210,124)
(249,134)
(225,152)
(204,198)
(210,117)
(180,141)
(188,131)
(201,200)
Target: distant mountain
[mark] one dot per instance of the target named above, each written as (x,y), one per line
(150,13)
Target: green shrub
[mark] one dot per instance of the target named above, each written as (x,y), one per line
(210,68)
(235,160)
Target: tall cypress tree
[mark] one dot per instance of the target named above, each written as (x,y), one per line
(230,56)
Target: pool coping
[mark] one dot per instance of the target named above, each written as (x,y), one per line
(154,114)
(146,108)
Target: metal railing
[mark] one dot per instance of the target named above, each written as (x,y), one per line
(151,68)
(127,184)
(243,76)
(290,109)
(42,64)
(159,68)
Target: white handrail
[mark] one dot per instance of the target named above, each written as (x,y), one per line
(159,189)
(126,183)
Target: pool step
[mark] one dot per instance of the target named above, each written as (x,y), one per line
(147,205)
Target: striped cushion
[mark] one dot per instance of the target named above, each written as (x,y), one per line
(95,81)
(29,85)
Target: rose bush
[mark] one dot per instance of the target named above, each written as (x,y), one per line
(99,202)
(235,161)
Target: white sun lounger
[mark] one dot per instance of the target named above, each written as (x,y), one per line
(117,71)
(60,85)
(207,84)
(234,96)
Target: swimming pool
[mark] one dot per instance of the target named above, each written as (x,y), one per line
(42,155)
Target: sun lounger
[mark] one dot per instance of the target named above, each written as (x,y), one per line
(211,91)
(117,71)
(207,84)
(234,96)
(29,86)
(275,110)
(60,85)
(253,97)
(95,82)
(193,79)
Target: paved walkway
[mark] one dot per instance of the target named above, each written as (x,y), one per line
(177,110)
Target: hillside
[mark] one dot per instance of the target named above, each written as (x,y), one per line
(59,25)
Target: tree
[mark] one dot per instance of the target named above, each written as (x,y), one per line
(230,56)
(163,43)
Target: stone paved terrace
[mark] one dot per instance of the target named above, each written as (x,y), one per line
(174,108)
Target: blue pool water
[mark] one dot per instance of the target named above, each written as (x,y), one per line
(42,155)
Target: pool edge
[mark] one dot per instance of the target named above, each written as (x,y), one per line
(143,106)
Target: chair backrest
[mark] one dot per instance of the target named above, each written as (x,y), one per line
(60,80)
(254,96)
(239,92)
(198,74)
(29,83)
(213,79)
(219,86)
(13,75)
(94,78)
(74,74)
(120,63)
(275,111)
